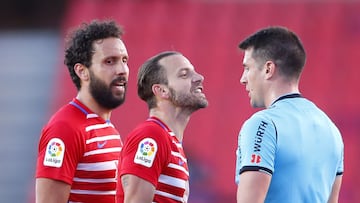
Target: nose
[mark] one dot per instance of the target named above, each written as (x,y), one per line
(122,69)
(198,78)
(243,78)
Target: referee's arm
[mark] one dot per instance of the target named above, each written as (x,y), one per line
(334,196)
(253,187)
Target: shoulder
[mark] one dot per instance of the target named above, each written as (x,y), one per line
(259,124)
(68,114)
(261,117)
(147,141)
(66,122)
(147,130)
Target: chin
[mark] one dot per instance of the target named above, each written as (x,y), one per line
(203,104)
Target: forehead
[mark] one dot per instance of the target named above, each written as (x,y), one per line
(110,46)
(248,56)
(174,63)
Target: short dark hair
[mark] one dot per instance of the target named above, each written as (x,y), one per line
(150,73)
(279,45)
(79,48)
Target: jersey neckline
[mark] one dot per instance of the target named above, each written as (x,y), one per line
(287,96)
(159,122)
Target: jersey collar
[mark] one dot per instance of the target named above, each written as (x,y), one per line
(159,122)
(287,96)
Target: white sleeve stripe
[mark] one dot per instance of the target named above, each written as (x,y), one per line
(165,194)
(98,126)
(103,138)
(176,182)
(177,154)
(179,145)
(103,151)
(91,115)
(93,192)
(175,166)
(98,166)
(94,180)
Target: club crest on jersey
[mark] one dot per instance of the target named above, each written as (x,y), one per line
(54,153)
(146,152)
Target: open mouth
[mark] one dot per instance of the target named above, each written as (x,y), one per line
(120,83)
(198,89)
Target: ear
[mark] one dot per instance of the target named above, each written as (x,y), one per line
(81,71)
(269,69)
(160,90)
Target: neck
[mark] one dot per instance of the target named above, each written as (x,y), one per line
(280,90)
(175,120)
(90,103)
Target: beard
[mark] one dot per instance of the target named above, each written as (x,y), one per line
(187,101)
(103,94)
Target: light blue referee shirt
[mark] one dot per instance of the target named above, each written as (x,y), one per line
(297,144)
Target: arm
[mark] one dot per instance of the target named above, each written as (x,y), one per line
(334,196)
(137,189)
(51,191)
(253,187)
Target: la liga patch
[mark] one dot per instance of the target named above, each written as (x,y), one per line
(54,154)
(146,152)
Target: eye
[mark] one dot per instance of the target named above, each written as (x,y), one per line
(184,74)
(110,61)
(124,59)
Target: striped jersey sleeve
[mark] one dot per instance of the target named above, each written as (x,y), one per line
(155,155)
(81,150)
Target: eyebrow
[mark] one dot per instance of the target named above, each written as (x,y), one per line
(184,69)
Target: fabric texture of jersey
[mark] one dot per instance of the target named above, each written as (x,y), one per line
(90,147)
(298,145)
(169,171)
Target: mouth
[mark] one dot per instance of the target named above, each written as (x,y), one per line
(119,86)
(199,89)
(121,82)
(248,91)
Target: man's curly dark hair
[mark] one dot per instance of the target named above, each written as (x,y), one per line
(80,44)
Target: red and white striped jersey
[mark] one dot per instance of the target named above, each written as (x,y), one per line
(153,153)
(82,149)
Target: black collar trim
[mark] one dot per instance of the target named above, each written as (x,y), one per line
(295,95)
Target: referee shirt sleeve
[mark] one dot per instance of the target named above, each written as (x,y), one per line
(340,169)
(256,146)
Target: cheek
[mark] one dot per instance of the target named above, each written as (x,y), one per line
(253,81)
(180,85)
(253,76)
(126,69)
(249,77)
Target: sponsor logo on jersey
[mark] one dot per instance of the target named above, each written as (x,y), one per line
(146,152)
(100,145)
(54,154)
(259,136)
(255,158)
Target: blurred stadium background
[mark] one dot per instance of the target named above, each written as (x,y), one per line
(35,83)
